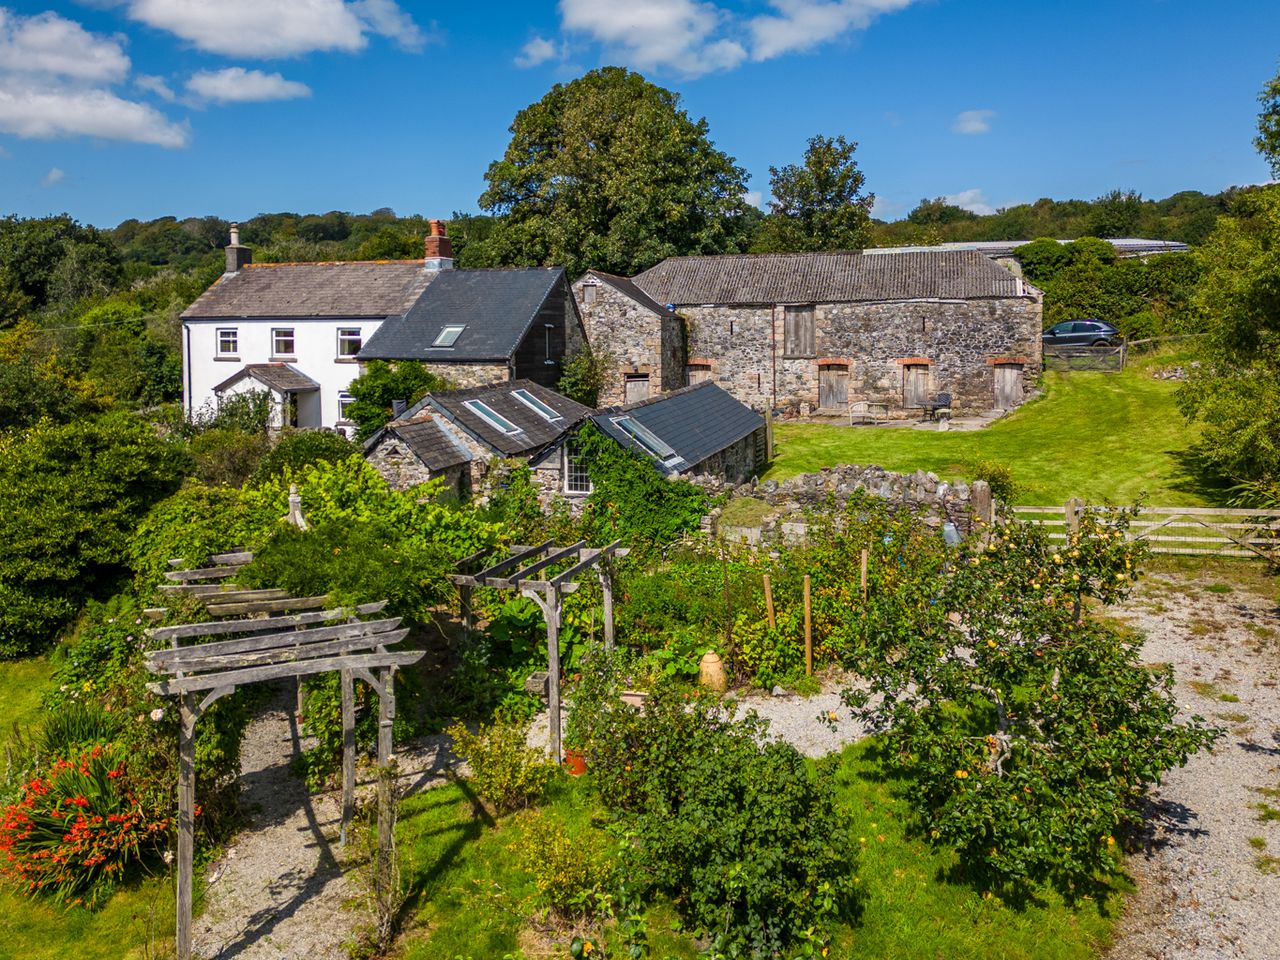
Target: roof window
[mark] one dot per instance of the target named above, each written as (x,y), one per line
(491,416)
(536,405)
(449,334)
(657,447)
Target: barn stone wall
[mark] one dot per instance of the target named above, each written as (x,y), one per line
(464,375)
(639,340)
(402,468)
(959,341)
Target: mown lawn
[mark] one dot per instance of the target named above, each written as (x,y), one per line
(1103,437)
(138,920)
(473,900)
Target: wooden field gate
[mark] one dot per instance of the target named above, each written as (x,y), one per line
(1182,531)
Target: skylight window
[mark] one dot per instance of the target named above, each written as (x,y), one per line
(642,435)
(449,335)
(536,405)
(491,416)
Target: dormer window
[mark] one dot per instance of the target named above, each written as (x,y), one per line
(449,335)
(491,416)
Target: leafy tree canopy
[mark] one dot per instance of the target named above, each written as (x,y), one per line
(1268,139)
(608,172)
(819,204)
(1235,392)
(382,384)
(939,211)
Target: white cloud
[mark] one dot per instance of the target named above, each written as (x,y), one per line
(238,85)
(975,201)
(973,121)
(803,24)
(678,35)
(693,37)
(156,85)
(755,198)
(536,51)
(55,176)
(4,154)
(53,46)
(278,28)
(42,112)
(55,80)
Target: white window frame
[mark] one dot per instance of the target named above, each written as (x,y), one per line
(234,333)
(349,335)
(345,400)
(454,328)
(280,333)
(574,462)
(537,406)
(491,416)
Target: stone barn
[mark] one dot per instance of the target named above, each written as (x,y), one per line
(813,333)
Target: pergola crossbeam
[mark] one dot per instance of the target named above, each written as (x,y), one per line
(516,579)
(276,671)
(180,657)
(283,654)
(228,627)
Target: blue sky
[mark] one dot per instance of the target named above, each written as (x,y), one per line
(143,108)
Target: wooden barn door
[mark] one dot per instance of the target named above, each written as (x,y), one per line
(1008,385)
(833,386)
(915,385)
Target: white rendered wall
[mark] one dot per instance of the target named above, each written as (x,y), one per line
(315,354)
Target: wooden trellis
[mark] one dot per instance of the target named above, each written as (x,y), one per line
(230,653)
(548,592)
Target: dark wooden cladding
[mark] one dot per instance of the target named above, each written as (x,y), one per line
(540,355)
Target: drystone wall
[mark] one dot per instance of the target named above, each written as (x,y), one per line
(464,375)
(936,501)
(960,342)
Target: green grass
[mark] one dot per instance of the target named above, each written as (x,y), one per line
(472,900)
(745,512)
(1102,437)
(36,930)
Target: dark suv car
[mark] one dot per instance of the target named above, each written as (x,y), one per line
(1081,333)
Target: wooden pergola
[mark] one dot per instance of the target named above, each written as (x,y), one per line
(523,571)
(291,637)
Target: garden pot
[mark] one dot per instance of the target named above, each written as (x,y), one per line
(575,762)
(711,672)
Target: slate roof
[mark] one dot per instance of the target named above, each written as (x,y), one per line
(382,288)
(496,307)
(828,278)
(278,376)
(535,431)
(628,289)
(696,422)
(429,441)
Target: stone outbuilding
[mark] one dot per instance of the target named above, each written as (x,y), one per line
(644,338)
(465,432)
(814,333)
(698,432)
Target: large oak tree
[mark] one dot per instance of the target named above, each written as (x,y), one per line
(607,172)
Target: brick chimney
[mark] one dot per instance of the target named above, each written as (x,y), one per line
(438,251)
(237,256)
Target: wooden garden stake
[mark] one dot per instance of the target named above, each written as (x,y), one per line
(768,602)
(808,631)
(864,574)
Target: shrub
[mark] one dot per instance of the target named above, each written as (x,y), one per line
(299,448)
(585,374)
(75,725)
(999,477)
(737,829)
(575,871)
(77,829)
(70,498)
(504,769)
(227,457)
(1027,734)
(380,385)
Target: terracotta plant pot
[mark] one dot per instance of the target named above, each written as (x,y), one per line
(575,762)
(711,672)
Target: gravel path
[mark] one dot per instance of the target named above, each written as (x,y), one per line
(1203,889)
(278,892)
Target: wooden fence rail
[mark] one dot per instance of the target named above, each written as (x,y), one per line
(1187,531)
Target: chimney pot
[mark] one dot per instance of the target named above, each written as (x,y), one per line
(235,235)
(237,256)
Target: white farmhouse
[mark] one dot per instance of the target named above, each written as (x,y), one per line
(294,329)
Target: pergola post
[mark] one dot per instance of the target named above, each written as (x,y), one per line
(550,604)
(383,869)
(186,820)
(348,753)
(605,572)
(464,601)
